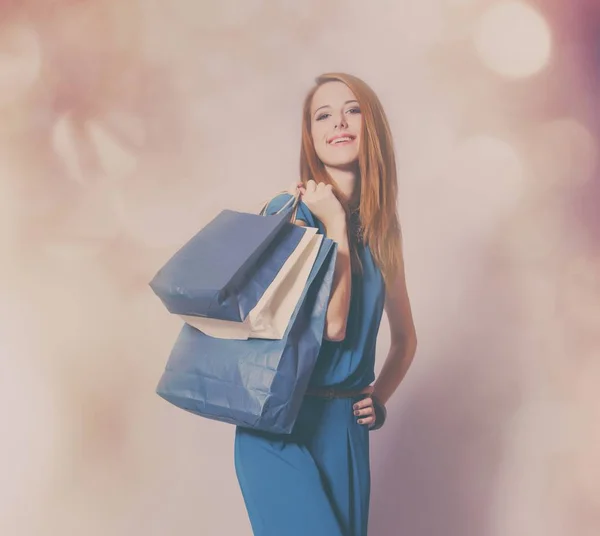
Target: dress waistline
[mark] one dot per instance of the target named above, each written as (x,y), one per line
(334,392)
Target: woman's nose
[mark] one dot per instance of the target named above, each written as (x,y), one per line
(341,122)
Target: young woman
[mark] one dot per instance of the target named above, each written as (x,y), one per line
(316,481)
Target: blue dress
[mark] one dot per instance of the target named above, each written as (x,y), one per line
(316,480)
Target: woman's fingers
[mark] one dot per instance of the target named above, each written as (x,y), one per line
(365,411)
(369,419)
(363,403)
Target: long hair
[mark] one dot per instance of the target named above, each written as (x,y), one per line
(378,185)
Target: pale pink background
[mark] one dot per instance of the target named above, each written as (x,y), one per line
(126,125)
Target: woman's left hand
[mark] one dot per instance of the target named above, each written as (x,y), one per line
(365,412)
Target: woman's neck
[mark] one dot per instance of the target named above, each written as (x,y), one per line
(346,181)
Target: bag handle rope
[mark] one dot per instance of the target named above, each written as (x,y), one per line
(294,201)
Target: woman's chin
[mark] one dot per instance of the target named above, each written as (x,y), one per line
(350,164)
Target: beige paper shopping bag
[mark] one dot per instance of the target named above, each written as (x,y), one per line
(272,314)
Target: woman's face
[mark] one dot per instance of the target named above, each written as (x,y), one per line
(336,124)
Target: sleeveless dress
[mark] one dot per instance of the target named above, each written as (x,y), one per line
(316,481)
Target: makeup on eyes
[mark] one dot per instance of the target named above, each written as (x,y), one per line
(345,104)
(353,110)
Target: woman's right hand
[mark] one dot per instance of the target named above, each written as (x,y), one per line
(322,202)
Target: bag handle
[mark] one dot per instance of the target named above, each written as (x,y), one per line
(294,201)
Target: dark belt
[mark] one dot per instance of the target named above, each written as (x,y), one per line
(333,392)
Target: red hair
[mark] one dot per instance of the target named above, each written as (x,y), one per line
(378,186)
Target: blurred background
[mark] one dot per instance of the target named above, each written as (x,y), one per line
(127,125)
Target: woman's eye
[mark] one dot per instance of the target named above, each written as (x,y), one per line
(325,115)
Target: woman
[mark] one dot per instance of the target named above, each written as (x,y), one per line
(316,481)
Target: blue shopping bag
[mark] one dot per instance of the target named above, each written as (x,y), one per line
(256,383)
(223,271)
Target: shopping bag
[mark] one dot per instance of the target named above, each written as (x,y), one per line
(256,383)
(273,312)
(224,270)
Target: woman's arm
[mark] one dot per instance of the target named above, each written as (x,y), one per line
(403,339)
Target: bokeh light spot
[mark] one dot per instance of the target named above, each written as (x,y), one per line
(487,176)
(513,39)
